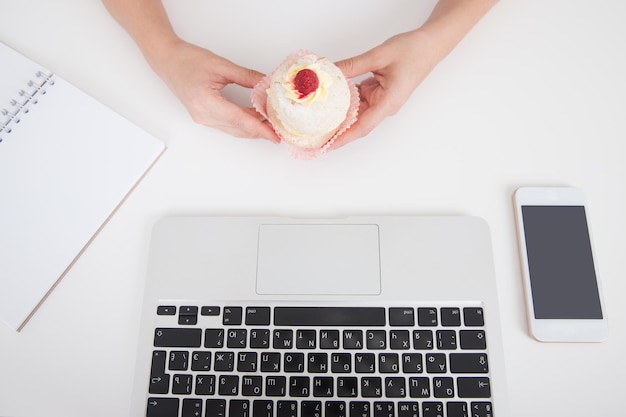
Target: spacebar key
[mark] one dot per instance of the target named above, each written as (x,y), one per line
(329,316)
(175,337)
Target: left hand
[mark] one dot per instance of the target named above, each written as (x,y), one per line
(398,66)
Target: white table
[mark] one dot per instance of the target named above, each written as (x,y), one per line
(535,95)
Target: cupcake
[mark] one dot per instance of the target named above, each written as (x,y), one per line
(308,101)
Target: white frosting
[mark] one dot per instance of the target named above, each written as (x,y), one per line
(311,120)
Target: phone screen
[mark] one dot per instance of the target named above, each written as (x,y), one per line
(560,262)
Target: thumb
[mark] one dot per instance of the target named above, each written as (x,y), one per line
(246,77)
(357,65)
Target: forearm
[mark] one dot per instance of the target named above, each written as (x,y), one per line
(146,22)
(450,21)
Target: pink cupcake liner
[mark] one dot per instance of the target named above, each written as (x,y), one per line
(259,101)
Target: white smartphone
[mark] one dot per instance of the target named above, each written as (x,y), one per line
(563,294)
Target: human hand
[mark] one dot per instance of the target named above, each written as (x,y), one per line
(398,66)
(197,76)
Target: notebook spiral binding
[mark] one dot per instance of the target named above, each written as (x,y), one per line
(21,105)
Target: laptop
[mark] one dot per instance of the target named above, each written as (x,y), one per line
(391,316)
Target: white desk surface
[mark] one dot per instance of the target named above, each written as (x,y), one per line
(535,95)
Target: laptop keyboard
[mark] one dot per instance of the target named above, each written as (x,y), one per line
(294,360)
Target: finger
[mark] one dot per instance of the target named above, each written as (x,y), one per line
(368,120)
(263,130)
(242,122)
(246,124)
(246,77)
(358,65)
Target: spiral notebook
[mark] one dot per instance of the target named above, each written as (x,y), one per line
(66,163)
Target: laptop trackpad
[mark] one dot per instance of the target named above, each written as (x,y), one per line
(318,259)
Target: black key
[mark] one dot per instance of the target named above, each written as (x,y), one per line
(436,363)
(469,387)
(311,409)
(473,339)
(305,339)
(228,385)
(287,409)
(443,387)
(399,339)
(257,316)
(457,409)
(166,310)
(239,408)
(335,409)
(188,310)
(412,363)
(473,316)
(270,362)
(188,315)
(340,363)
(162,407)
(232,316)
(224,361)
(384,409)
(275,386)
(329,316)
(294,362)
(299,386)
(408,409)
(247,361)
(395,387)
(323,386)
(427,316)
(214,338)
(388,363)
(181,384)
(371,387)
(178,360)
(210,311)
(469,363)
(422,339)
(364,362)
(192,407)
(201,361)
(432,409)
(263,408)
(159,380)
(353,339)
(401,316)
(347,386)
(177,337)
(482,409)
(376,339)
(329,339)
(187,320)
(317,363)
(450,316)
(259,338)
(283,339)
(251,385)
(446,339)
(419,387)
(236,338)
(159,384)
(205,384)
(215,408)
(360,409)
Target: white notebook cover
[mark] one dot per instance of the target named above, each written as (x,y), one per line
(66,163)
